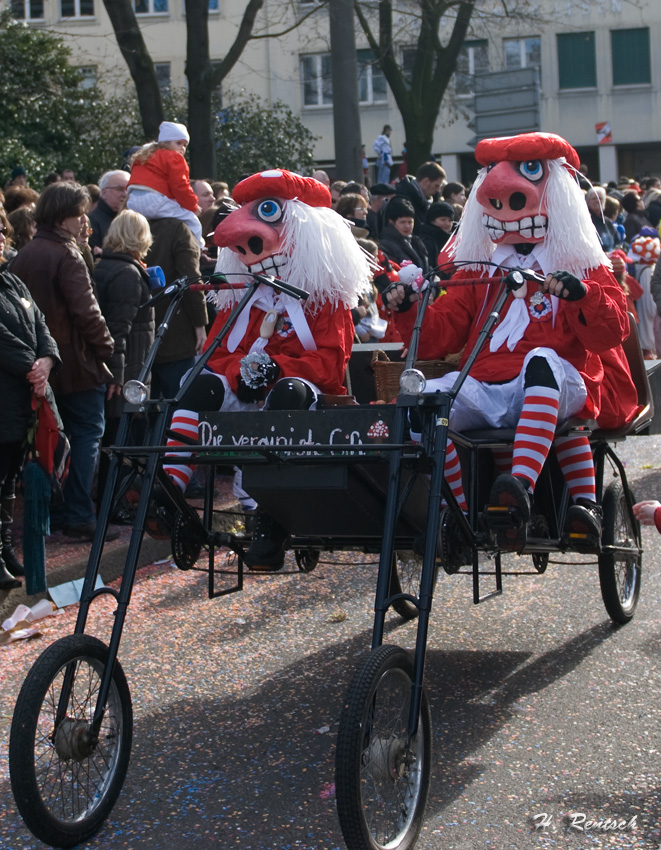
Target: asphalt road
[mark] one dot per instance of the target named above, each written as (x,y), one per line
(544,714)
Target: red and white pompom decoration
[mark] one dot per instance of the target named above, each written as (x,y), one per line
(411,275)
(645,249)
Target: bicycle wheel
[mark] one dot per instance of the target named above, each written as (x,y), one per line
(64,781)
(619,573)
(382,778)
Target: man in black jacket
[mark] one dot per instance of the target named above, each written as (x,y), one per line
(421,191)
(113,194)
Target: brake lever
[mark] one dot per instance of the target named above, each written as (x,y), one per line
(515,278)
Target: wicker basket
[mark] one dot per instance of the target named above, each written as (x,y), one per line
(386,373)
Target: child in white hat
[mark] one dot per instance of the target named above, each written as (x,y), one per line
(160,179)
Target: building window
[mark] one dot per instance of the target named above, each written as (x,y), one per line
(522,52)
(87,76)
(77,8)
(317,81)
(163,76)
(371,81)
(630,50)
(150,7)
(28,10)
(576,60)
(473,59)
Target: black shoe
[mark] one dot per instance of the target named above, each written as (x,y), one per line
(14,566)
(267,550)
(86,531)
(583,525)
(7,580)
(508,511)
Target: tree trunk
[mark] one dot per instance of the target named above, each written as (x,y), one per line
(203,78)
(419,99)
(346,114)
(139,62)
(199,71)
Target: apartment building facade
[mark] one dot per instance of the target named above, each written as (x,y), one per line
(597,66)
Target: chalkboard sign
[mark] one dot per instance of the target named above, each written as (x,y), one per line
(290,431)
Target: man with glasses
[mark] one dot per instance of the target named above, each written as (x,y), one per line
(113,196)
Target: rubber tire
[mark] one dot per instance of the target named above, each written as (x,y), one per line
(306,559)
(27,780)
(619,528)
(366,694)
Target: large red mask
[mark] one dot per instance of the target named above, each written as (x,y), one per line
(512,193)
(255,232)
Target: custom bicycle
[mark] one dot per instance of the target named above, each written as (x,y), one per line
(353,480)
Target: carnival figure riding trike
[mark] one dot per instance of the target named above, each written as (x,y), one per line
(424,487)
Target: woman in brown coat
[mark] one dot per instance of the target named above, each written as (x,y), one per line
(54,271)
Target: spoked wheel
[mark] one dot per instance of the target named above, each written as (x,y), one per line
(65,780)
(306,559)
(381,777)
(186,543)
(619,572)
(405,578)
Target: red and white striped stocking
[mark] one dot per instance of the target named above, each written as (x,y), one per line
(575,458)
(184,422)
(535,432)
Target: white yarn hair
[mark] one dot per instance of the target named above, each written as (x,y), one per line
(571,243)
(325,259)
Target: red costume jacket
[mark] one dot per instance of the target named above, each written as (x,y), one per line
(332,329)
(584,330)
(166,172)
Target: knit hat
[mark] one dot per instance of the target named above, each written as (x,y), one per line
(171,132)
(645,248)
(19,171)
(439,209)
(399,208)
(382,189)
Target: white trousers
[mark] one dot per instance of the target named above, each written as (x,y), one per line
(155,205)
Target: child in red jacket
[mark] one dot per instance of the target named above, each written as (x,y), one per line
(160,180)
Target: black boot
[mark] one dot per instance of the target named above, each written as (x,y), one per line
(7,580)
(269,541)
(12,564)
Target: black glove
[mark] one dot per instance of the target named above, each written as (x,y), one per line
(406,303)
(574,287)
(249,395)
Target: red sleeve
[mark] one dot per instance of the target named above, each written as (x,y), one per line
(448,321)
(600,318)
(657,519)
(177,175)
(636,291)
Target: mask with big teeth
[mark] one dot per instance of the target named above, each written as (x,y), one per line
(512,196)
(255,234)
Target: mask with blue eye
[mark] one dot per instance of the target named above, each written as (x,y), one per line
(269,210)
(532,169)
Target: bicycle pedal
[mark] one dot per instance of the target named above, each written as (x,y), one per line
(499,518)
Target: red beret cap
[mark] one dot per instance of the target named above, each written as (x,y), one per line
(525,146)
(278,183)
